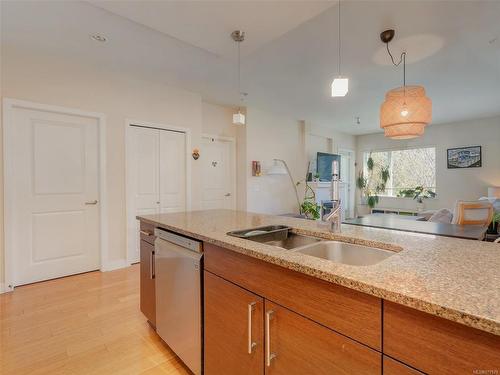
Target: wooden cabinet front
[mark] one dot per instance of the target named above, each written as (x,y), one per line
(233,328)
(148,294)
(298,345)
(352,313)
(438,346)
(393,367)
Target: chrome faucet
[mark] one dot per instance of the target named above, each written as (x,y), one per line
(334,217)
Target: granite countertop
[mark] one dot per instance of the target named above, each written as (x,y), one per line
(452,278)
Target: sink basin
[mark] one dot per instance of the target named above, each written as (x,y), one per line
(346,253)
(275,235)
(292,241)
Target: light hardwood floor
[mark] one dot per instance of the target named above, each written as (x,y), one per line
(83,324)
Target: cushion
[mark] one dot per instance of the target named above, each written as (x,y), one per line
(442,216)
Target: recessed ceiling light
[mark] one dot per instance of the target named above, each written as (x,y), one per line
(99,38)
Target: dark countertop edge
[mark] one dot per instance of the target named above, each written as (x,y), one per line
(467,319)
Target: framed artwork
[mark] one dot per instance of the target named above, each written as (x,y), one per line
(464,157)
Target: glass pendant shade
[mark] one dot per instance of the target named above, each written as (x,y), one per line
(239,118)
(340,87)
(405,112)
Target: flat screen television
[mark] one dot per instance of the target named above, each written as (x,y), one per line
(324,165)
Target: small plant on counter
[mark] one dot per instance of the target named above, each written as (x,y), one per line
(374,183)
(309,208)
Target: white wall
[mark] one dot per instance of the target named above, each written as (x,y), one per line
(452,184)
(48,80)
(271,136)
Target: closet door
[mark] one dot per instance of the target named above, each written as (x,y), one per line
(156,177)
(143,182)
(172,171)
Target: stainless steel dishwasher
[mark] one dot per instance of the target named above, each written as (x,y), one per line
(178,295)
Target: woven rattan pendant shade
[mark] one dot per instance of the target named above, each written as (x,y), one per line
(405,112)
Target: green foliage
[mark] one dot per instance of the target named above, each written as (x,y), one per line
(372,200)
(310,209)
(496,218)
(365,184)
(419,193)
(370,163)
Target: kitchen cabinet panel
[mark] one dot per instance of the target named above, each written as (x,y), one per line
(234,331)
(437,346)
(352,313)
(300,346)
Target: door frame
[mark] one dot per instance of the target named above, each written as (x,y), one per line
(9,105)
(152,125)
(233,169)
(352,178)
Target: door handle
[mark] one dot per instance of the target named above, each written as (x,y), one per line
(227,194)
(146,233)
(251,344)
(91,203)
(269,356)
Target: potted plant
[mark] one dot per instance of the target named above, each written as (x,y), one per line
(309,208)
(419,194)
(494,227)
(316,177)
(372,184)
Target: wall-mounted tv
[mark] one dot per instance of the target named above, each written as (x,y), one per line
(324,165)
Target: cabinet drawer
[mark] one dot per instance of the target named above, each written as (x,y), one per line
(354,314)
(147,233)
(392,367)
(436,345)
(298,345)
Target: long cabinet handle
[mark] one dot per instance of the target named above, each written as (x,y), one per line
(145,232)
(251,344)
(269,356)
(152,265)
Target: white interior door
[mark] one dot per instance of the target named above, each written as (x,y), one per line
(218,182)
(55,221)
(172,171)
(156,177)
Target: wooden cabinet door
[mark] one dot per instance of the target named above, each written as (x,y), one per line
(393,367)
(233,329)
(148,294)
(297,345)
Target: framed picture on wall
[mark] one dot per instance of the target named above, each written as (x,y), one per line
(464,157)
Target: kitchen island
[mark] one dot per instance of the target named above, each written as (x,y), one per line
(433,306)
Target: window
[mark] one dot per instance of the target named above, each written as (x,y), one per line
(408,169)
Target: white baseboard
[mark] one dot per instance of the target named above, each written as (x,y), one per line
(114,265)
(4,288)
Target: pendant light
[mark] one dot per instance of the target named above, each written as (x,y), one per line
(239,36)
(340,86)
(406,110)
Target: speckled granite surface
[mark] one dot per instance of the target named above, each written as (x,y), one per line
(456,279)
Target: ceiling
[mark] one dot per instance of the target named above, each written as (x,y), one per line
(290,52)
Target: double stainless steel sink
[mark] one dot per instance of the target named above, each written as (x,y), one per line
(335,251)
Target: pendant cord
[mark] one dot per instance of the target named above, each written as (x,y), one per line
(402,59)
(339,41)
(239,77)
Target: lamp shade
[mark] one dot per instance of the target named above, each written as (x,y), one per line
(405,112)
(494,192)
(277,168)
(239,118)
